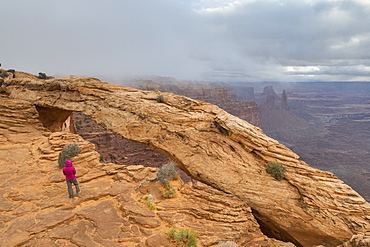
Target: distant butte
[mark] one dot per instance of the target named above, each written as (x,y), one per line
(308,207)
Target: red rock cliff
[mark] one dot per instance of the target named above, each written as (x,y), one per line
(308,207)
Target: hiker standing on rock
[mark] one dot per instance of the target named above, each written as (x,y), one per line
(70,172)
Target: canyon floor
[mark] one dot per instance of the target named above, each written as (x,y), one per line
(211,145)
(339,133)
(334,138)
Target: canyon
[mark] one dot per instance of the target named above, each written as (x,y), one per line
(330,129)
(325,123)
(226,155)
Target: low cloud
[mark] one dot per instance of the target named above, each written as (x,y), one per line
(241,40)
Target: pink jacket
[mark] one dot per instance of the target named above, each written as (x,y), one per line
(69,171)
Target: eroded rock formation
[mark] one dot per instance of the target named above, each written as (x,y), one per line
(309,207)
(276,117)
(284,101)
(112,148)
(358,240)
(232,100)
(35,209)
(269,90)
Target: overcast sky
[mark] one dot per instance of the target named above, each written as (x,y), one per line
(216,40)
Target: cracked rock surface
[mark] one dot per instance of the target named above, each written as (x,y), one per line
(36,211)
(309,207)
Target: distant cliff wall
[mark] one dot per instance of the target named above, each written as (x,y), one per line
(238,101)
(308,207)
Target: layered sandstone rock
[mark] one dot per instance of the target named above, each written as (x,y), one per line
(358,240)
(309,207)
(36,211)
(236,101)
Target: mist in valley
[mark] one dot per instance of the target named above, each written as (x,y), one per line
(316,50)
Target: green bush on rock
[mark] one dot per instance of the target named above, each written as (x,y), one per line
(167,173)
(67,153)
(149,202)
(276,170)
(185,237)
(170,191)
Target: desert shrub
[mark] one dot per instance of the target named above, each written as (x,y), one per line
(184,236)
(3,74)
(167,173)
(67,153)
(172,232)
(149,198)
(150,205)
(149,202)
(227,244)
(160,98)
(42,76)
(276,170)
(170,191)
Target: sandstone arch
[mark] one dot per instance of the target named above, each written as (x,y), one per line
(219,149)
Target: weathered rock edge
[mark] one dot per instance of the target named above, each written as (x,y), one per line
(311,206)
(36,211)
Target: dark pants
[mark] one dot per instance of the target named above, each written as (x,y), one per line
(70,189)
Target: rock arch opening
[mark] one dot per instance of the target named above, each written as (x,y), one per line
(114,148)
(55,119)
(183,129)
(111,147)
(271,230)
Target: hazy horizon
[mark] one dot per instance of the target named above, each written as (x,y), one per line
(204,40)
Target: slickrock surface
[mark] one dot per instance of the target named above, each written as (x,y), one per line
(358,240)
(36,211)
(215,94)
(309,207)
